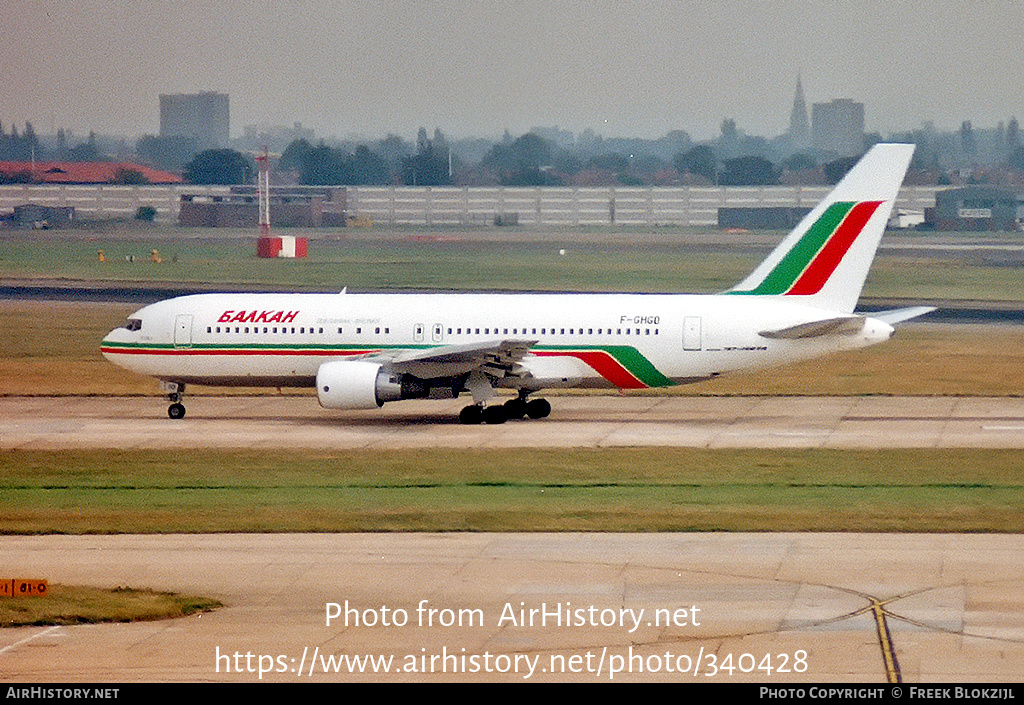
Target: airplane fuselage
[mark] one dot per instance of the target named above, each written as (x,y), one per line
(629,341)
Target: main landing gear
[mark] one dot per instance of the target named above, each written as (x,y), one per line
(175,393)
(500,413)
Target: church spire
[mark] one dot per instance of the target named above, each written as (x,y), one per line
(799,132)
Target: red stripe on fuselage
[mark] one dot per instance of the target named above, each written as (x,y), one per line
(603,364)
(822,266)
(600,361)
(191,351)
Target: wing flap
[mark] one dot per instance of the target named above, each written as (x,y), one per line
(494,357)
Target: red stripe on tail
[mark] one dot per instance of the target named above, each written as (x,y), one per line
(822,266)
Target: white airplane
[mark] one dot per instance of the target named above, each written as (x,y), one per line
(362,350)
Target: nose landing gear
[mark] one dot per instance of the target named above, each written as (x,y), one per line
(175,393)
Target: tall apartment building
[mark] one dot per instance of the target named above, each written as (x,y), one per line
(201,116)
(838,127)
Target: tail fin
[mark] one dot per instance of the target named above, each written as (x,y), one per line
(826,258)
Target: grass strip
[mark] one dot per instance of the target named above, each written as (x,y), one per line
(410,261)
(639,489)
(73,604)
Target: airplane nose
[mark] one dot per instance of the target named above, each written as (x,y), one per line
(104,343)
(110,340)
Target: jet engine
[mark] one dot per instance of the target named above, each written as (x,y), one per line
(359,384)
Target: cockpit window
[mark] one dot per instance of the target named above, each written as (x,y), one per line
(133,324)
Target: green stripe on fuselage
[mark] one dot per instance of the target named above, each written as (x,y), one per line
(626,355)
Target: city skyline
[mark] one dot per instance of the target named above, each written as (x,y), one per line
(480,68)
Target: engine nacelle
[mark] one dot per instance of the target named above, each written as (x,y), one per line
(358,384)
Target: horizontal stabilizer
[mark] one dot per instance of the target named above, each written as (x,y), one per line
(898,315)
(845,325)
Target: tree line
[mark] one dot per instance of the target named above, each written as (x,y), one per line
(528,160)
(542,157)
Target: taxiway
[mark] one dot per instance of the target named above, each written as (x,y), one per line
(576,421)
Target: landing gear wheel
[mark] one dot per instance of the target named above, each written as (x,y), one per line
(471,415)
(538,408)
(176,411)
(515,408)
(495,414)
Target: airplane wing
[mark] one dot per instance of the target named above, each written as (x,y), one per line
(494,358)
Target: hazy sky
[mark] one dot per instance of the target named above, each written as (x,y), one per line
(478,67)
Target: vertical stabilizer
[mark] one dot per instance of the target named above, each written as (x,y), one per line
(824,261)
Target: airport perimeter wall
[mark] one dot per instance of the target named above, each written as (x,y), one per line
(455,205)
(103,202)
(621,205)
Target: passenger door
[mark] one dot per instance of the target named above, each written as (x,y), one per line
(183,331)
(692,333)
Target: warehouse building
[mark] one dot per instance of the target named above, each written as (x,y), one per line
(977,208)
(290,206)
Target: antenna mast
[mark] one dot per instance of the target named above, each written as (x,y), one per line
(263,161)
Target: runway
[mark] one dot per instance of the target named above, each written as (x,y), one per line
(771,608)
(576,421)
